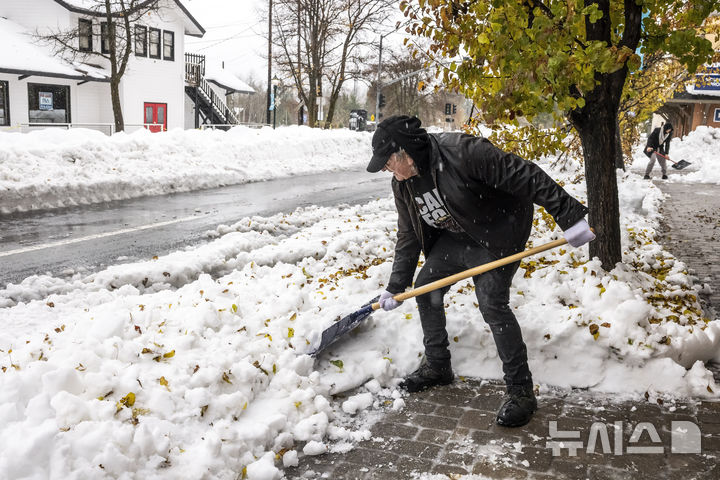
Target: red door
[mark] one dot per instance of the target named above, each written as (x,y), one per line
(156,114)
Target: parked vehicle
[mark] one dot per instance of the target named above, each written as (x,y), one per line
(358,120)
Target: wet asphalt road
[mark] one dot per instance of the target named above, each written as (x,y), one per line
(62,241)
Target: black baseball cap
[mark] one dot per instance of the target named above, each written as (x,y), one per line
(392,134)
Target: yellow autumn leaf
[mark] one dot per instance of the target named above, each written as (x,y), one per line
(169,354)
(408,316)
(164,383)
(226,378)
(294,316)
(128,400)
(234,308)
(594,330)
(291,332)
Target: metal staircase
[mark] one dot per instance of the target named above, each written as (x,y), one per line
(210,107)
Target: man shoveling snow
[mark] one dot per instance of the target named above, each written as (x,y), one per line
(463,202)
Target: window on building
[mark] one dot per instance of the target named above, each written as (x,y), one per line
(104,38)
(48,103)
(141,38)
(154,43)
(85,35)
(168,45)
(4,107)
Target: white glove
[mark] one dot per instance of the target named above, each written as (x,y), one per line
(387,302)
(579,234)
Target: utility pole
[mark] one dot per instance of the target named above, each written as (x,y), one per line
(378,87)
(269,77)
(299,67)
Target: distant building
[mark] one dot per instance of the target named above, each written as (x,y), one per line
(40,89)
(698,104)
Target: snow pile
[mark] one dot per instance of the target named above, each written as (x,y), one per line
(54,168)
(193,364)
(701,148)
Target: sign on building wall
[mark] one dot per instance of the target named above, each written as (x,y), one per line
(708,79)
(46,100)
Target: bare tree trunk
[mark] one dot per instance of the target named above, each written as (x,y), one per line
(116,105)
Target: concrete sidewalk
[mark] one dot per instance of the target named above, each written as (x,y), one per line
(451,430)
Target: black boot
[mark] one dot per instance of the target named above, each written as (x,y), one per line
(427,376)
(518,406)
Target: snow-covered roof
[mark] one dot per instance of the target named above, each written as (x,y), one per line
(22,55)
(214,72)
(90,7)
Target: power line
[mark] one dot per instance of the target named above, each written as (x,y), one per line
(237,35)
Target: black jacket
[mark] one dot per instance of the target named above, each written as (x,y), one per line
(653,142)
(488,192)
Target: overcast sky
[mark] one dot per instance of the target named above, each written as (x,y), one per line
(236,32)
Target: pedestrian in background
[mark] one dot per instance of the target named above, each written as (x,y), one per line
(658,142)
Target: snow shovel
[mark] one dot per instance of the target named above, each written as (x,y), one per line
(348,323)
(676,165)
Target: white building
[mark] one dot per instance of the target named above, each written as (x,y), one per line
(38,87)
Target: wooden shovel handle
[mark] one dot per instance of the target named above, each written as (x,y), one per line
(444,282)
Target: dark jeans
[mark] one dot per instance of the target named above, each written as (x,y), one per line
(453,253)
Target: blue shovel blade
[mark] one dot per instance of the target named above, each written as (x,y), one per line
(337,330)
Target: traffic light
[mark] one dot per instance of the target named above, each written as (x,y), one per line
(382,101)
(447,109)
(454,109)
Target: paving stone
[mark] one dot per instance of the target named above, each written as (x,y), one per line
(709,418)
(453,397)
(367,456)
(420,406)
(449,470)
(569,468)
(505,434)
(538,459)
(692,462)
(448,411)
(549,405)
(477,420)
(413,464)
(711,410)
(538,426)
(499,471)
(484,437)
(389,430)
(651,465)
(599,472)
(709,428)
(413,448)
(434,421)
(460,434)
(710,444)
(431,435)
(465,460)
(350,471)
